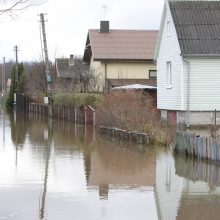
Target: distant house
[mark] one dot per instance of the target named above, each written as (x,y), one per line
(64,67)
(121,57)
(188,62)
(72,73)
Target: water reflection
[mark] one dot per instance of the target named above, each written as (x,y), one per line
(198,170)
(65,171)
(200,188)
(62,168)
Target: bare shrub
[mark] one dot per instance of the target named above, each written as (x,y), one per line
(132,111)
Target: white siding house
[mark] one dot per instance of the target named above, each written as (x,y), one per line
(188,62)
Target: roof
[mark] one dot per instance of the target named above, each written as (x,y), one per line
(135,86)
(70,67)
(129,45)
(197,25)
(64,69)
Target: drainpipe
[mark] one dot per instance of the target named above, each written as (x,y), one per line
(105,76)
(188,90)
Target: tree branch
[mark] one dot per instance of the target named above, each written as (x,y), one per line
(16,6)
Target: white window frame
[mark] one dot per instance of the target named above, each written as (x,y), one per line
(168,29)
(169,74)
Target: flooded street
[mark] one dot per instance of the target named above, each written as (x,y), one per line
(57,170)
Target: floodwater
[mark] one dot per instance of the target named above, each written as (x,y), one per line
(56,170)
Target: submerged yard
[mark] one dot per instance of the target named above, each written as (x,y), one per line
(58,170)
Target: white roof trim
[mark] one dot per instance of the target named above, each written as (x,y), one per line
(135,86)
(161,29)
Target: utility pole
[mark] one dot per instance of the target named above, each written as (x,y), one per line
(16,60)
(48,77)
(3,77)
(16,63)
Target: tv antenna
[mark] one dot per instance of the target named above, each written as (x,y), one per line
(105,7)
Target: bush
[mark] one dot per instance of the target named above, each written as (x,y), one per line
(132,111)
(77,99)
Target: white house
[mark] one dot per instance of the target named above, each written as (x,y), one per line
(188,62)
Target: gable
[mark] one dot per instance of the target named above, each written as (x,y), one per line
(197,25)
(121,45)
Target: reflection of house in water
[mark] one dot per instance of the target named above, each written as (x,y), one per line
(168,188)
(115,167)
(199,204)
(200,199)
(189,186)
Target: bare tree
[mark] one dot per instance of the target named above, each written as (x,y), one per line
(35,80)
(11,7)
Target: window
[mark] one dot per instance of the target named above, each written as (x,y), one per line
(168,29)
(152,74)
(169,74)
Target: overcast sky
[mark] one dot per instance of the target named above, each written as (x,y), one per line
(68,22)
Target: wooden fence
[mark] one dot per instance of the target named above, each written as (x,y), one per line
(129,136)
(200,147)
(22,102)
(84,115)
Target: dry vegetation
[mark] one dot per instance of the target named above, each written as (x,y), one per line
(132,111)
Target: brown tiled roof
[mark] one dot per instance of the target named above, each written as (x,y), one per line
(131,45)
(198,26)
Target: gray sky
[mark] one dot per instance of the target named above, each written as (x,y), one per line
(68,24)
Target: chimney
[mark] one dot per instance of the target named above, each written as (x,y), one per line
(71,60)
(104,26)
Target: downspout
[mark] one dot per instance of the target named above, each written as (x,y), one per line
(188,90)
(105,77)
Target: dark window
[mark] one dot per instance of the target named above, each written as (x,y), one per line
(152,74)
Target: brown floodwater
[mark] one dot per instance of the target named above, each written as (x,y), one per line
(58,170)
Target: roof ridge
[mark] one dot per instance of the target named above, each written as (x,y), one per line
(133,30)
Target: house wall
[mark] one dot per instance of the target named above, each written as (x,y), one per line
(169,51)
(204,84)
(204,79)
(129,70)
(122,70)
(99,70)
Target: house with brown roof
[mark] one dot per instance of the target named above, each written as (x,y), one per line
(188,62)
(121,57)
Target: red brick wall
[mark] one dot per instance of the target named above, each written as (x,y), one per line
(171,118)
